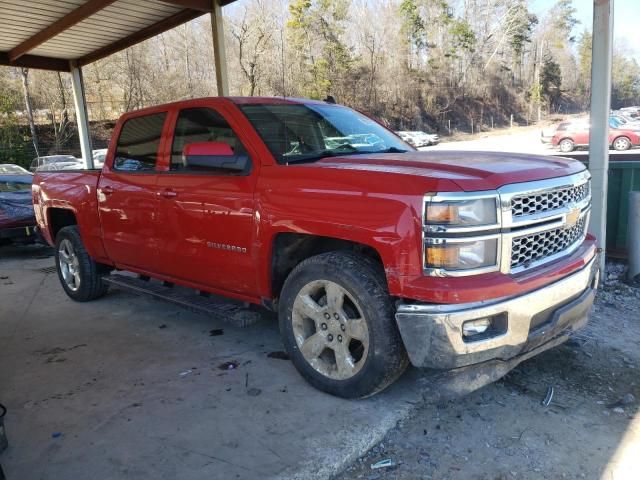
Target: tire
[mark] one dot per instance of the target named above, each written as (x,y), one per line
(621,144)
(337,324)
(79,274)
(566,145)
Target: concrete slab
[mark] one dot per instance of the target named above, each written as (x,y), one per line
(109,377)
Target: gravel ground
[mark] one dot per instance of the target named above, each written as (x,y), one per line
(591,428)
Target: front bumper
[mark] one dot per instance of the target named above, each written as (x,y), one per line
(432,334)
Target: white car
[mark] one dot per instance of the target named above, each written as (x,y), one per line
(426,139)
(419,139)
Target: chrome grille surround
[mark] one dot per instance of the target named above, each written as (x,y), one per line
(561,234)
(552,229)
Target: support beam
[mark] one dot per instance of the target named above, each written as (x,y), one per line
(602,52)
(141,35)
(219,51)
(69,20)
(34,61)
(82,117)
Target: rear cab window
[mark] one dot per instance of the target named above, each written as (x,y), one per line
(139,142)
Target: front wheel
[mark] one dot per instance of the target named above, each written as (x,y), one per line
(567,146)
(621,143)
(79,274)
(337,323)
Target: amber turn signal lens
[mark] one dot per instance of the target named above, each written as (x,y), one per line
(442,257)
(442,213)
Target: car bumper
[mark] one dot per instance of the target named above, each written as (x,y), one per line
(17,233)
(432,334)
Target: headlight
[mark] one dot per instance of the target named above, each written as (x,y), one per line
(461,255)
(463,213)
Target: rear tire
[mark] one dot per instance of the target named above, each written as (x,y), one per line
(337,324)
(566,145)
(621,144)
(79,274)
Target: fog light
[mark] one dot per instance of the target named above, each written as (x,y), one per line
(475,327)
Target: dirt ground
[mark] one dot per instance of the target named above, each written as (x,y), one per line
(591,428)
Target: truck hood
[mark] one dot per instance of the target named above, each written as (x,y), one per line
(471,171)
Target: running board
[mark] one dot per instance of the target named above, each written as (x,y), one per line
(228,312)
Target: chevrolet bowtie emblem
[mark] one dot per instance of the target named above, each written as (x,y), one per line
(572,217)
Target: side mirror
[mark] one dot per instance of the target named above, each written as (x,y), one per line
(214,155)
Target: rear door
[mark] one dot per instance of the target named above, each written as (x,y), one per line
(127,196)
(206,214)
(581,135)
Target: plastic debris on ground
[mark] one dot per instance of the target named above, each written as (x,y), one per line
(547,399)
(386,463)
(228,366)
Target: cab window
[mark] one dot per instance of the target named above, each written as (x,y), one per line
(138,144)
(196,125)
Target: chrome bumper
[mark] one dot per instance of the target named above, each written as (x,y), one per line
(432,334)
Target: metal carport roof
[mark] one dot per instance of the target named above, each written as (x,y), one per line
(48,34)
(64,35)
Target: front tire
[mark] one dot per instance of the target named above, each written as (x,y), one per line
(566,145)
(337,324)
(79,274)
(621,144)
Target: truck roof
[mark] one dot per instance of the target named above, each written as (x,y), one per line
(236,100)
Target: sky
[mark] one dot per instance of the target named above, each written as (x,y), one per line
(626,19)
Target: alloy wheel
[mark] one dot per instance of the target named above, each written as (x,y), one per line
(330,329)
(69,265)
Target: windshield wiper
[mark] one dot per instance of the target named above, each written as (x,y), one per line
(313,156)
(392,150)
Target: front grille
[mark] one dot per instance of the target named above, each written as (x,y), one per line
(529,204)
(538,246)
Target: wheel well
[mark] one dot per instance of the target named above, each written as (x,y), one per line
(289,249)
(619,137)
(60,218)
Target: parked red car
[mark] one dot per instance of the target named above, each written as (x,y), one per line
(570,135)
(373,254)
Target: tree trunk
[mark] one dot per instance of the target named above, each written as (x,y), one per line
(24,72)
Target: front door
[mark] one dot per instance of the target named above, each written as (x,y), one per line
(127,196)
(207,214)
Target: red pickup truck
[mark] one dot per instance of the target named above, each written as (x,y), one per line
(374,255)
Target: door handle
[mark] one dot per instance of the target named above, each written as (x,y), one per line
(107,190)
(168,193)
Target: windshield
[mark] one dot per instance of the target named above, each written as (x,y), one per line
(12,169)
(297,132)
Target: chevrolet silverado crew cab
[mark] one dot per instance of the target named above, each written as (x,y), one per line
(373,255)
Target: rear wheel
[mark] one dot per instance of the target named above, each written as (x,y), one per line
(621,143)
(79,274)
(337,323)
(566,145)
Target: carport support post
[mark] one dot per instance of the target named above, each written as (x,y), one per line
(219,53)
(602,52)
(82,118)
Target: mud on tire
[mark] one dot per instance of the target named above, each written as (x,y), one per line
(79,274)
(337,323)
